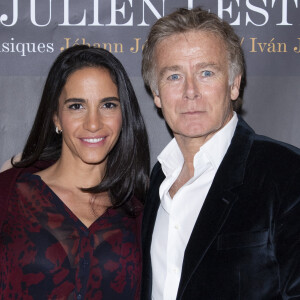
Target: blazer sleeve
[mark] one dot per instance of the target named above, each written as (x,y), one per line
(287,238)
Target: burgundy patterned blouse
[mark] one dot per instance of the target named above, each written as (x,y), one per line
(46,252)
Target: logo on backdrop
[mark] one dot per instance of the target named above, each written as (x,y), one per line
(235,12)
(29,28)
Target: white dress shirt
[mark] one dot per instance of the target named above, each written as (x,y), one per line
(176,217)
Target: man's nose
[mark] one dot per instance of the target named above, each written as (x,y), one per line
(192,90)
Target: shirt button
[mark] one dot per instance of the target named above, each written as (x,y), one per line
(176,226)
(175,270)
(79,297)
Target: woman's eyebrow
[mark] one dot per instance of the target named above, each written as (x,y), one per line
(107,99)
(80,100)
(76,100)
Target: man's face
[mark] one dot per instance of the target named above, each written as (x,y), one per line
(193,85)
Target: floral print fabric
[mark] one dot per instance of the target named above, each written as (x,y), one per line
(46,252)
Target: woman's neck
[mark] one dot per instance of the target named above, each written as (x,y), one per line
(73,173)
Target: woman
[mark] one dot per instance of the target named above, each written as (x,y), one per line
(71,208)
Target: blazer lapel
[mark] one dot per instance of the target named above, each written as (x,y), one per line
(152,205)
(149,218)
(218,202)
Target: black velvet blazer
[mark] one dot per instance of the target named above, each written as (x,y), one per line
(246,241)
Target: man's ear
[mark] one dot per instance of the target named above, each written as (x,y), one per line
(156,98)
(235,87)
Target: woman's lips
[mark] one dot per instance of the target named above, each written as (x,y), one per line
(93,140)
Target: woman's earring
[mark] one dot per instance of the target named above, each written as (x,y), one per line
(57,130)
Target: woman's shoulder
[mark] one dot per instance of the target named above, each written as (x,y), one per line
(11,174)
(9,177)
(8,164)
(7,183)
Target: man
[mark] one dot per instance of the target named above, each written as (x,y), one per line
(222,219)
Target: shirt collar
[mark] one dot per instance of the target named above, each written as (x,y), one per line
(214,149)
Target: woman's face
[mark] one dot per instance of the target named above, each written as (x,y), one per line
(89,115)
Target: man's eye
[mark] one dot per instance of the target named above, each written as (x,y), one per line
(207,73)
(174,77)
(110,105)
(75,106)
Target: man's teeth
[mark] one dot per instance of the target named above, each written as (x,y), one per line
(93,140)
